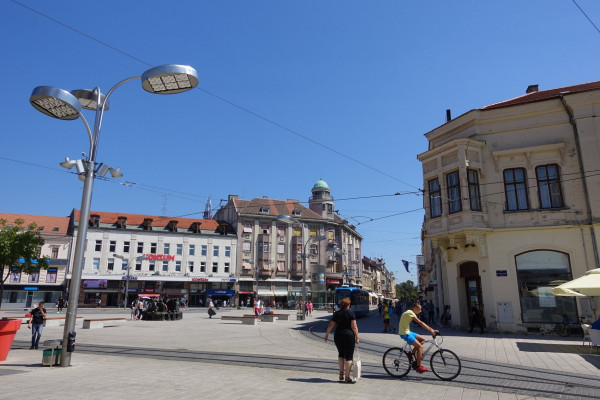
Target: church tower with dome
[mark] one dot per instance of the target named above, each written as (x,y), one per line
(321,201)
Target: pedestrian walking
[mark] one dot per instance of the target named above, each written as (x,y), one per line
(345,338)
(430,311)
(60,304)
(211,310)
(387,316)
(36,324)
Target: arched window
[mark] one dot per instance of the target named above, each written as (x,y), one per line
(537,272)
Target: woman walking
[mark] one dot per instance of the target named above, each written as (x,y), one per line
(345,338)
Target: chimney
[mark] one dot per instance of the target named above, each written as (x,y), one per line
(532,88)
(232,197)
(448,115)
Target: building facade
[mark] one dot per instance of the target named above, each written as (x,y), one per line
(148,255)
(24,291)
(378,280)
(271,252)
(511,206)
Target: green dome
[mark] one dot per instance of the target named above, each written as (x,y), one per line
(321,184)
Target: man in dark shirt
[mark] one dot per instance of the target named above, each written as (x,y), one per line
(36,324)
(475,317)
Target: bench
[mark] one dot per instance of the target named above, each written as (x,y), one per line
(50,321)
(264,317)
(99,322)
(246,320)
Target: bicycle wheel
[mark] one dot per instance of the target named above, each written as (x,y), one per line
(561,330)
(445,364)
(396,362)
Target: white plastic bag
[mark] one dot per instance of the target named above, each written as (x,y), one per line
(356,366)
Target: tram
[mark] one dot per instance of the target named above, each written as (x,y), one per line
(359,299)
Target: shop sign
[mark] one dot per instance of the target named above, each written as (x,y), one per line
(30,288)
(332,281)
(501,272)
(95,284)
(228,280)
(217,292)
(199,279)
(131,278)
(160,257)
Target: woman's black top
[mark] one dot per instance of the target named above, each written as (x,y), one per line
(343,319)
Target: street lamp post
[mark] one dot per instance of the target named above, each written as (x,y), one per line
(251,262)
(312,239)
(64,105)
(350,271)
(129,261)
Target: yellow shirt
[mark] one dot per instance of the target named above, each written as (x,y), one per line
(405,321)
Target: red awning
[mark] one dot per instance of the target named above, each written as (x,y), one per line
(148,294)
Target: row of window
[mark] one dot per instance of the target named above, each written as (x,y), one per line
(15,277)
(163,265)
(515,189)
(112,247)
(265,247)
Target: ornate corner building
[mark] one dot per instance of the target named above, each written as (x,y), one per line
(511,204)
(271,253)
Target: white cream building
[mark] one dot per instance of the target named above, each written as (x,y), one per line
(512,198)
(180,257)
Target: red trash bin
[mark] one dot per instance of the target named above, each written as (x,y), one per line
(8,330)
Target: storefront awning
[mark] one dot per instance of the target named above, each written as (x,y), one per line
(148,295)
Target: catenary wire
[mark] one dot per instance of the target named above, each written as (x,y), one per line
(586,16)
(214,95)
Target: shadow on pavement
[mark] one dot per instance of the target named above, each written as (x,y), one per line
(311,380)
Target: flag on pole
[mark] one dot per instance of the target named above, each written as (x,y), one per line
(405,265)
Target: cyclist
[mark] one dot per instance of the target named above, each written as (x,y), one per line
(412,338)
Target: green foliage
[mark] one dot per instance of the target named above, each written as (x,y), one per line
(407,291)
(18,242)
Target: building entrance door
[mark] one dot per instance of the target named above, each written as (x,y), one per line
(29,299)
(470,272)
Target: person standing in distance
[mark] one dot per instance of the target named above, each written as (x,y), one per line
(411,337)
(346,336)
(36,324)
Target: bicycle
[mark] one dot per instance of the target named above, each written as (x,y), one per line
(568,325)
(445,364)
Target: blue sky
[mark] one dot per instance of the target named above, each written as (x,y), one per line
(290,92)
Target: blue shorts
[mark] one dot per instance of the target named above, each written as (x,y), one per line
(410,337)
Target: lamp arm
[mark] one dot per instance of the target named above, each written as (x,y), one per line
(87,129)
(310,239)
(100,113)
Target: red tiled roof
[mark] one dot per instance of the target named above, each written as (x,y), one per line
(49,224)
(157,221)
(545,95)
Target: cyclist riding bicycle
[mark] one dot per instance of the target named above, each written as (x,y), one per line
(412,338)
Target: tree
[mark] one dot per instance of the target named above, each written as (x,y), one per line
(19,250)
(407,291)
